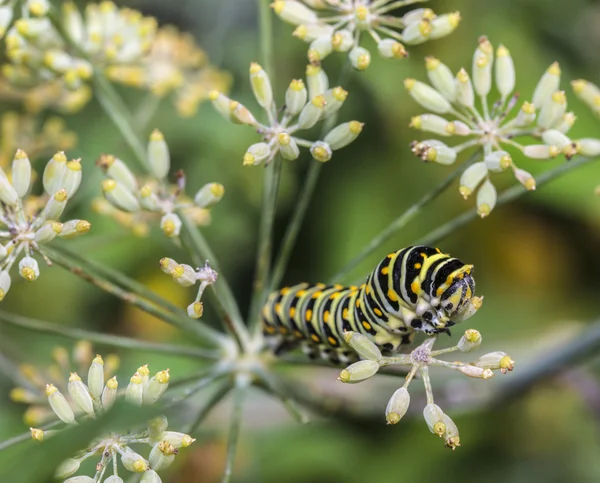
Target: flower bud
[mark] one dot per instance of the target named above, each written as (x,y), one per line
(471,340)
(134,462)
(464,89)
(363,346)
(59,404)
(431,123)
(566,122)
(66,468)
(74,228)
(434,417)
(312,31)
(134,391)
(144,373)
(496,360)
(587,92)
(441,78)
(109,394)
(432,150)
(469,310)
(261,86)
(54,173)
(556,138)
(170,224)
(312,112)
(321,151)
(526,115)
(80,479)
(360,58)
(498,161)
(223,105)
(417,32)
(476,372)
(342,40)
(6,16)
(287,146)
(548,84)
(505,72)
(427,96)
(95,380)
(195,310)
(334,100)
(161,456)
(209,195)
(471,178)
(114,479)
(151,476)
(342,135)
(21,173)
(553,110)
(589,147)
(451,436)
(5,282)
(242,115)
(359,371)
(156,427)
(316,81)
(541,151)
(184,275)
(177,440)
(397,406)
(8,194)
(80,394)
(168,265)
(295,97)
(486,198)
(73,176)
(119,196)
(482,67)
(294,12)
(156,387)
(118,170)
(444,24)
(319,49)
(391,49)
(256,154)
(55,205)
(29,269)
(48,232)
(159,158)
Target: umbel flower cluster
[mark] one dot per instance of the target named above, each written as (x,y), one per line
(305,105)
(491,125)
(338,26)
(419,361)
(154,195)
(32,221)
(85,401)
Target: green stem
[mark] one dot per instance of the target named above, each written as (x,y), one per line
(104,339)
(235,427)
(208,406)
(270,383)
(203,332)
(509,195)
(266,38)
(400,222)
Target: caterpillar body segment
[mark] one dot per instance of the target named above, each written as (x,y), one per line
(414,289)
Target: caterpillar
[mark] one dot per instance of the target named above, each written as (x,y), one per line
(415,289)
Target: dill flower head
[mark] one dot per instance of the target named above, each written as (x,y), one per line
(419,361)
(175,65)
(89,400)
(29,222)
(24,131)
(464,101)
(104,36)
(305,105)
(338,26)
(33,393)
(153,197)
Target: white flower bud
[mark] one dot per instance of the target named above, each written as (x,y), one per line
(476,372)
(38,8)
(95,379)
(589,147)
(134,391)
(526,115)
(553,110)
(256,154)
(119,196)
(150,476)
(170,224)
(321,151)
(74,228)
(312,112)
(541,151)
(161,456)
(195,310)
(342,135)
(451,436)
(359,371)
(59,404)
(295,97)
(464,89)
(360,58)
(417,15)
(109,394)
(55,206)
(566,122)
(397,406)
(471,340)
(319,49)
(416,32)
(496,360)
(134,462)
(548,84)
(156,427)
(184,275)
(432,123)
(444,24)
(505,72)
(73,176)
(54,173)
(587,92)
(209,195)
(66,468)
(316,81)
(482,67)
(8,194)
(114,479)
(118,170)
(242,115)
(159,159)
(434,417)
(556,138)
(342,40)
(168,265)
(5,282)
(363,346)
(156,387)
(29,269)
(80,479)
(391,49)
(287,146)
(334,100)
(21,173)
(432,150)
(311,31)
(261,86)
(80,394)
(486,198)
(469,310)
(223,105)
(294,12)
(48,232)
(427,96)
(498,161)
(6,16)
(441,78)
(471,178)
(177,440)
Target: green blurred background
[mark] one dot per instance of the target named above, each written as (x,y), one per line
(536,260)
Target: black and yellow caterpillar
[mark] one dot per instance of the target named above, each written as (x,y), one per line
(414,289)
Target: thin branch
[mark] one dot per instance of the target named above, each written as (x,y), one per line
(25,436)
(400,222)
(105,339)
(509,195)
(235,426)
(222,391)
